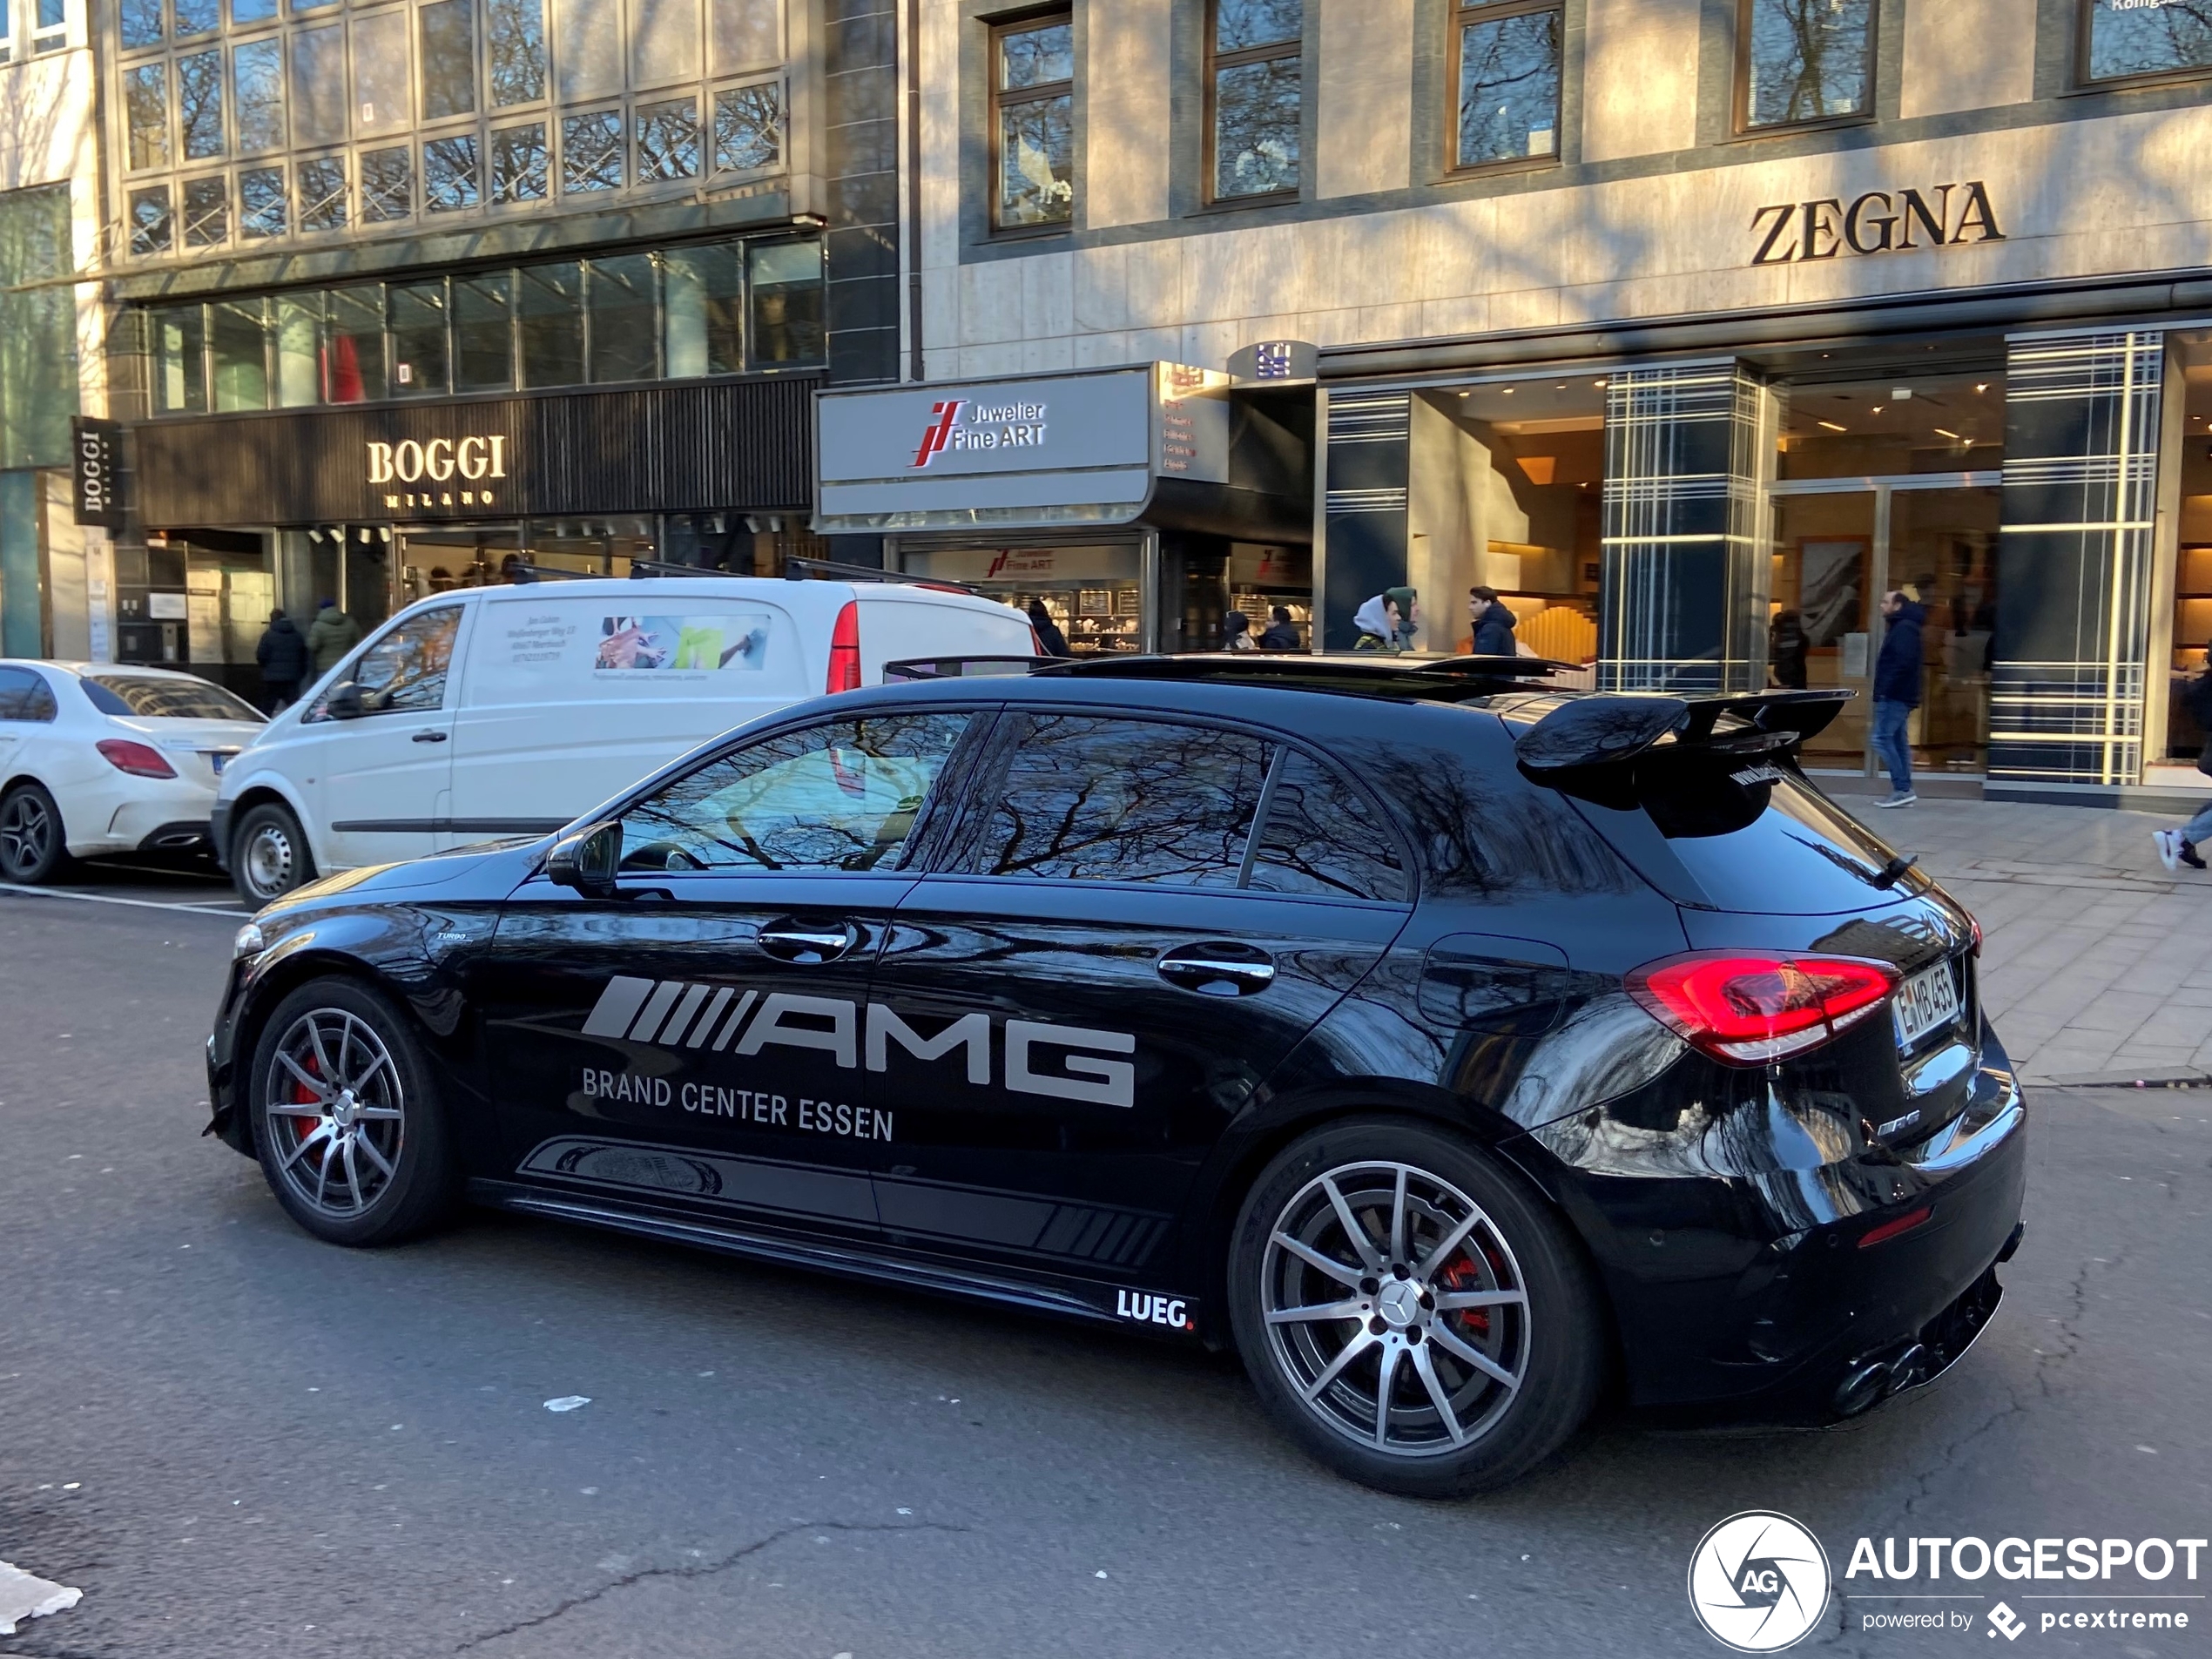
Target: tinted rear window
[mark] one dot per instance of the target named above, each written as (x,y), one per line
(1734,836)
(142,697)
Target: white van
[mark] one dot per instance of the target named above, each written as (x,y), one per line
(510,711)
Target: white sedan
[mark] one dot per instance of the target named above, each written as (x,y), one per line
(99,759)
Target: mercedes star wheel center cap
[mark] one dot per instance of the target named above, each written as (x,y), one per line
(1400,1303)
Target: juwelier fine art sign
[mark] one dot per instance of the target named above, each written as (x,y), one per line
(1879,221)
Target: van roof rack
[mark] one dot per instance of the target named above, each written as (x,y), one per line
(797,568)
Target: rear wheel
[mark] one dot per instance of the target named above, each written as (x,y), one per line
(269,854)
(33,847)
(1410,1314)
(346,1118)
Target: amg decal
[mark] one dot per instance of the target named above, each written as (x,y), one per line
(670,1014)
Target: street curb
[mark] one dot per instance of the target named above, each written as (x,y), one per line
(2167,1078)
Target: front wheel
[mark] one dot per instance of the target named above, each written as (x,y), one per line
(1409,1313)
(33,848)
(269,855)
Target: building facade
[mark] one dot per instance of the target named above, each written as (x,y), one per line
(409,295)
(1690,326)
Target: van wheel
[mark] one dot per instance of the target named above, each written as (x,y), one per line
(1409,1314)
(33,845)
(269,855)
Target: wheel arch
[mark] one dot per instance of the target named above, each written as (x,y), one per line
(269,991)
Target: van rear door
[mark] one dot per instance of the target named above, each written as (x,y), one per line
(568,699)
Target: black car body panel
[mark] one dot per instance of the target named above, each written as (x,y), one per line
(1053,1093)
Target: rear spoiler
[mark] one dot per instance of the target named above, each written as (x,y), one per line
(946,668)
(1614,726)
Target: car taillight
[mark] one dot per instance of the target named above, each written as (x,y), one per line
(845,650)
(1748,1008)
(139,759)
(1975,923)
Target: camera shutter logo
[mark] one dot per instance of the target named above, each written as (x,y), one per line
(1758,1581)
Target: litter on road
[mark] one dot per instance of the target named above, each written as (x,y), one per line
(23,1595)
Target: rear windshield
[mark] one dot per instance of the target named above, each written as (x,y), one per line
(1730,835)
(144,698)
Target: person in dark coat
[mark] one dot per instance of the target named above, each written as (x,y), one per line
(1281,633)
(1898,674)
(1050,640)
(283,657)
(1494,624)
(1236,632)
(1786,648)
(2179,847)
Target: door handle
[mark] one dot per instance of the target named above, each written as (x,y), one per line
(429,737)
(1218,969)
(795,941)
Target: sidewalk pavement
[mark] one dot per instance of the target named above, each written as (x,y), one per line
(2096,962)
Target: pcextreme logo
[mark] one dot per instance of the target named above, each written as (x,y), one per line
(939,432)
(1758,1581)
(672,1014)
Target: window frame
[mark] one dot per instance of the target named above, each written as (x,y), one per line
(2084,12)
(1740,123)
(999,99)
(1458,15)
(1217,61)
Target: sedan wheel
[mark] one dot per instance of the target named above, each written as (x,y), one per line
(31,845)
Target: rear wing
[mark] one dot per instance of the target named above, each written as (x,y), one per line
(1614,726)
(944,668)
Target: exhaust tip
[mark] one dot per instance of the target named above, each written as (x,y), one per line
(1862,1385)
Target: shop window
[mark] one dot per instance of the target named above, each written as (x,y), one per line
(199,104)
(1506,60)
(1033,123)
(179,360)
(380,83)
(668,140)
(299,343)
(591,152)
(519,163)
(787,302)
(140,21)
(2123,38)
(749,127)
(1944,418)
(322,193)
(352,353)
(484,333)
(150,228)
(449,176)
(1253,87)
(550,305)
(196,17)
(664,42)
(590,60)
(1805,60)
(418,322)
(318,86)
(746,34)
(515,52)
(702,297)
(146,103)
(257,77)
(387,185)
(261,202)
(207,211)
(237,347)
(448,55)
(621,291)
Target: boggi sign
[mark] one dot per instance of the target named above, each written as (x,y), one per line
(438,461)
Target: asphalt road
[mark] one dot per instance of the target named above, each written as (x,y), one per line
(240,1443)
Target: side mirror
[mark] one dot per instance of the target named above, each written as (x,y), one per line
(585,859)
(343,702)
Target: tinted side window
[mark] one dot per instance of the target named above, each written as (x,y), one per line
(405,671)
(1322,838)
(1087,799)
(839,796)
(24,696)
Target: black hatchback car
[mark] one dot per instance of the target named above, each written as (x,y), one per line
(1454,1045)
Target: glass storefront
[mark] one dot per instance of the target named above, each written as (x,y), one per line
(1094,593)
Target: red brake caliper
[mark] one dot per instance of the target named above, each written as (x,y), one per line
(1474,1323)
(303,1096)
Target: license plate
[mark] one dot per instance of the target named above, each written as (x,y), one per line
(218,761)
(1926,1000)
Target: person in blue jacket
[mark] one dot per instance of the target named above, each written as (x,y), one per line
(1897,673)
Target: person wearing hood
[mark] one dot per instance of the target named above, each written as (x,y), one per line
(1387,622)
(1236,632)
(1897,673)
(1494,624)
(283,657)
(1281,633)
(330,635)
(1050,640)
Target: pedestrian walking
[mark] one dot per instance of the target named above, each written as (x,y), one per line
(1387,622)
(330,635)
(1897,673)
(2179,847)
(282,654)
(1787,646)
(1494,624)
(1281,633)
(1050,640)
(1236,632)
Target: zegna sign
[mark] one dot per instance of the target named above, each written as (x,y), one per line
(1877,222)
(438,461)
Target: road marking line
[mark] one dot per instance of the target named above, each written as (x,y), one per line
(102,898)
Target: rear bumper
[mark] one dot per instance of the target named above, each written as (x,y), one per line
(178,835)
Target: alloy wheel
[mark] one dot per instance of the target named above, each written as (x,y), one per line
(336,1112)
(1395,1309)
(26,832)
(268,859)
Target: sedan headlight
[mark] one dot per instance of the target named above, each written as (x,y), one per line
(247,942)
